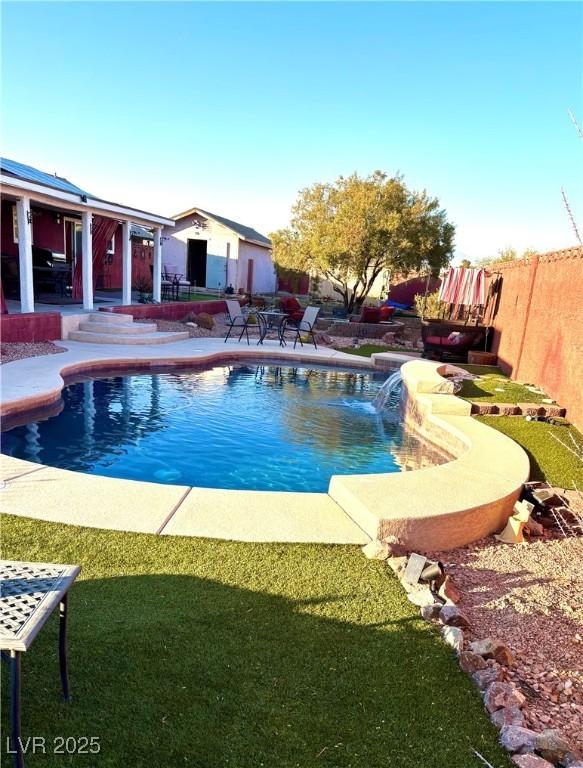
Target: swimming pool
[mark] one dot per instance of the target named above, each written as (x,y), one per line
(239,426)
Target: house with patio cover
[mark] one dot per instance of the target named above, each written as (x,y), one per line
(60,242)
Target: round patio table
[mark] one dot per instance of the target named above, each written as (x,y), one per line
(272,319)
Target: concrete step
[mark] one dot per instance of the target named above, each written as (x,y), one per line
(144,338)
(110,317)
(122,328)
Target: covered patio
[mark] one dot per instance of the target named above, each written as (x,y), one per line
(57,236)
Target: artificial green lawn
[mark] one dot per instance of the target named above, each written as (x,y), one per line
(549,460)
(193,652)
(485,388)
(366,350)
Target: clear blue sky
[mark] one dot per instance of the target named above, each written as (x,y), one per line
(235,107)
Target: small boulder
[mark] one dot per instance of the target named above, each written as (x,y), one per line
(530,761)
(471,662)
(397,549)
(534,528)
(431,612)
(499,695)
(552,745)
(420,595)
(485,677)
(449,591)
(516,739)
(453,617)
(323,338)
(376,550)
(454,637)
(507,716)
(493,649)
(397,565)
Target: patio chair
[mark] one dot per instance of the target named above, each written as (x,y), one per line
(305,326)
(292,307)
(236,319)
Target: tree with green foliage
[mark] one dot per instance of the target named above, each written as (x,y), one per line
(351,230)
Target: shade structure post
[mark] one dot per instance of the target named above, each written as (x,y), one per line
(24,222)
(126,264)
(157,266)
(87,259)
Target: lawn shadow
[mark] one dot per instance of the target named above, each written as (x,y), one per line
(174,670)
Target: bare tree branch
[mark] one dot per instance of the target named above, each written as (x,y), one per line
(575,123)
(571,217)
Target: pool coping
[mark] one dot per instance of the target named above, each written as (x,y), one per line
(478,500)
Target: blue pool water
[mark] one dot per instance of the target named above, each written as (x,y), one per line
(246,426)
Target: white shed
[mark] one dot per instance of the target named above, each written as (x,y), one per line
(213,252)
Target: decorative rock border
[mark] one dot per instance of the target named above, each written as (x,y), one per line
(484,660)
(518,409)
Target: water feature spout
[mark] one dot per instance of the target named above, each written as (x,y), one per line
(387,391)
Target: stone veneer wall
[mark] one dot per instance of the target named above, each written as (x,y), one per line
(538,328)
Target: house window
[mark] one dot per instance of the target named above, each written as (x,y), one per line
(111,247)
(14,224)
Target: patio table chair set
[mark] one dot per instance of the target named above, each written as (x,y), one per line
(286,327)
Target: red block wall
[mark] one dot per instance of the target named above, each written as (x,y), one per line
(538,334)
(30,326)
(177,310)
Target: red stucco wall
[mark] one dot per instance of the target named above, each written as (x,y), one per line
(47,232)
(7,244)
(142,258)
(539,325)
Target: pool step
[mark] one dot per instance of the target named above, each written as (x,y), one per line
(126,338)
(111,328)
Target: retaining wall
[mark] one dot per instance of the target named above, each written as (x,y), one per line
(30,327)
(177,310)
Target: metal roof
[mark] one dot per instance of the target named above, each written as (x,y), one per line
(247,233)
(28,173)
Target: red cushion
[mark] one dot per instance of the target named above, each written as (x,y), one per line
(290,304)
(386,312)
(370,315)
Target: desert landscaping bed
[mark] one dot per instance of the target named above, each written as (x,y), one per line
(21,350)
(530,597)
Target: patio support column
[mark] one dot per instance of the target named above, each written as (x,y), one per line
(24,220)
(87,256)
(157,270)
(126,255)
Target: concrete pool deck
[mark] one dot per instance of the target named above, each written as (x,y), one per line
(437,507)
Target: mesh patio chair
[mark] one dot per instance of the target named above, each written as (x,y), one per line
(297,328)
(236,320)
